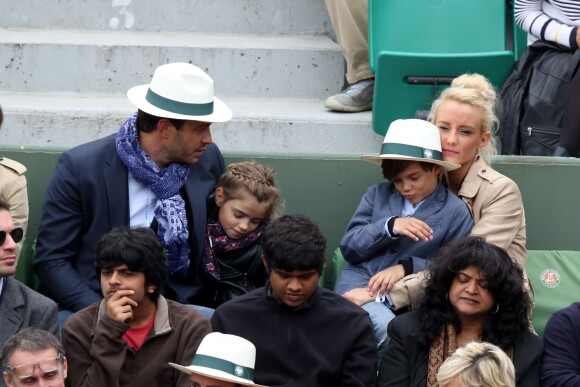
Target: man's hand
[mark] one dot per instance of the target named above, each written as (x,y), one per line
(359,296)
(413,228)
(120,306)
(384,280)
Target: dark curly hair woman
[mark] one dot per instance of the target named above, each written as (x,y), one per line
(474,291)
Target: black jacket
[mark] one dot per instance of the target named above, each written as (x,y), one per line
(328,341)
(405,362)
(532,99)
(241,271)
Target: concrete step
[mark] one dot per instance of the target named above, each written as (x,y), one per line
(259,126)
(112,61)
(232,16)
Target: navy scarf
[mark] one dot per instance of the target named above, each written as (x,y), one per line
(165,184)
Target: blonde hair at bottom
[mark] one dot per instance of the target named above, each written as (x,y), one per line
(478,364)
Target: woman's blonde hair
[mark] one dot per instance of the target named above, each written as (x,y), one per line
(254,179)
(477,91)
(478,364)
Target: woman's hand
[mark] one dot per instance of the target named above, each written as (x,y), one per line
(413,228)
(384,280)
(578,37)
(359,296)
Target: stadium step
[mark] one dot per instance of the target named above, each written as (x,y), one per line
(260,126)
(67,66)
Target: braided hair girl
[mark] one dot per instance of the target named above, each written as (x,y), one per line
(244,201)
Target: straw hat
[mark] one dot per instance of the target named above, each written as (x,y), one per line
(182,91)
(224,357)
(413,140)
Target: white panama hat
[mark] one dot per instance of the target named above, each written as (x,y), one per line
(412,140)
(182,91)
(224,357)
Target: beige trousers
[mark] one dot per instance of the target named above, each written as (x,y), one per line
(350,20)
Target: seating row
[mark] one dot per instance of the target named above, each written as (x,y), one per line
(328,189)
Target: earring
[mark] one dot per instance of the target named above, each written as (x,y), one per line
(496,310)
(477,157)
(447,296)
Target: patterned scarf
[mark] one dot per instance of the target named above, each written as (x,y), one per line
(441,348)
(217,241)
(165,184)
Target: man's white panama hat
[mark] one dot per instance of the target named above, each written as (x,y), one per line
(413,140)
(224,357)
(182,91)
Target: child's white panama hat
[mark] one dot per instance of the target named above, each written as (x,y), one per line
(182,91)
(413,140)
(224,357)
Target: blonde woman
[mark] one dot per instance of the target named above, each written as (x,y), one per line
(464,114)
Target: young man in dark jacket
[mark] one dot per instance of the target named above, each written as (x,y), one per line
(129,338)
(304,335)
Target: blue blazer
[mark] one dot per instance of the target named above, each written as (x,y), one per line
(368,248)
(87,196)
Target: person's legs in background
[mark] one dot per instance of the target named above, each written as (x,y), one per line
(207,312)
(350,21)
(570,136)
(380,315)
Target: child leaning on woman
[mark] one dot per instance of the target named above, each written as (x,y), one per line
(244,201)
(401,223)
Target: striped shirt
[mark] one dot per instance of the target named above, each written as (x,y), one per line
(551,20)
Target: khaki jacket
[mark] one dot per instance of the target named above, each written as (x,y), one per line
(13,188)
(498,213)
(496,204)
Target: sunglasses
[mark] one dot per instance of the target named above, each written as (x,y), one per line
(16,235)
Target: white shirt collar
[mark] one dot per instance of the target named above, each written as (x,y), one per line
(409,209)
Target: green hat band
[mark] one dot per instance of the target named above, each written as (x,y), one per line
(188,109)
(223,365)
(411,151)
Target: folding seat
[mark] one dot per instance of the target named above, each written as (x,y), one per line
(416,47)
